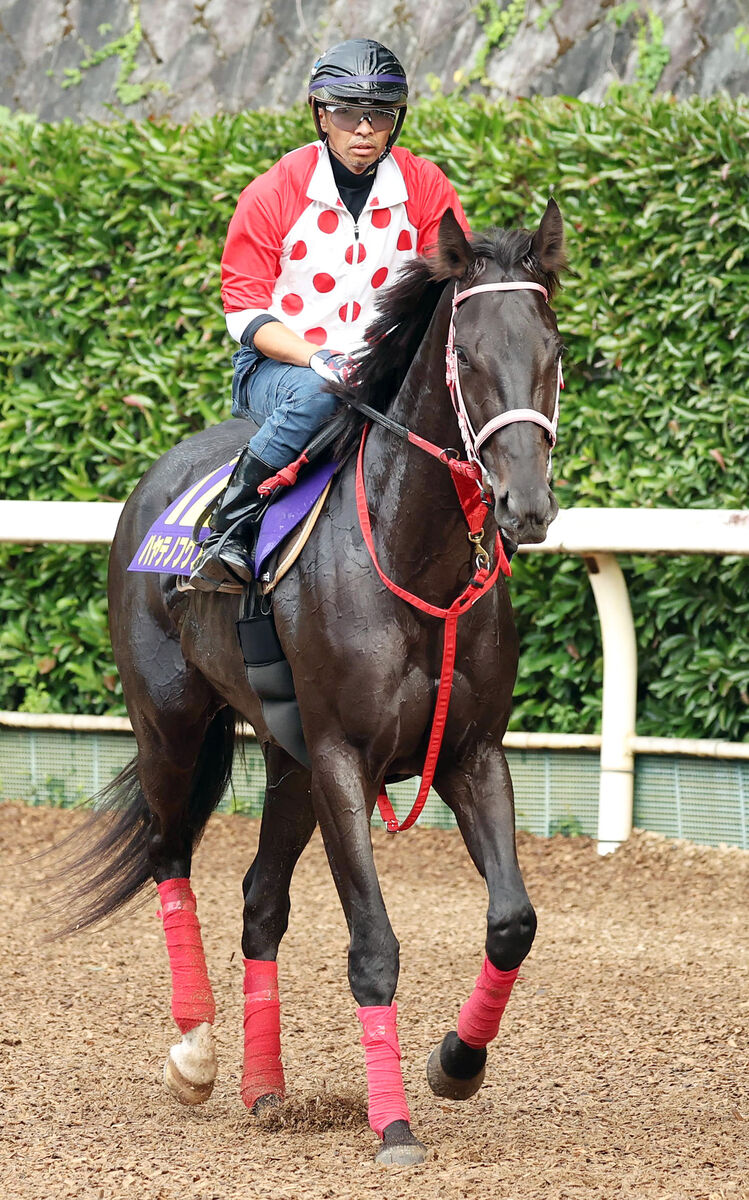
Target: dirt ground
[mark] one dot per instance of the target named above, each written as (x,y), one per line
(621,1069)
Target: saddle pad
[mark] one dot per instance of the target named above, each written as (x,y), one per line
(277,564)
(292,507)
(168,547)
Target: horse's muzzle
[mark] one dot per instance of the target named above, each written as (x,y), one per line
(526,516)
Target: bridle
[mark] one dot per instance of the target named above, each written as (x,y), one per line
(472,440)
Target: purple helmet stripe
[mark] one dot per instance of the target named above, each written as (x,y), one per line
(345,79)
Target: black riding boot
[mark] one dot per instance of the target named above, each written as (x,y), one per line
(226,555)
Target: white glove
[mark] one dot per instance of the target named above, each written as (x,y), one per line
(335,368)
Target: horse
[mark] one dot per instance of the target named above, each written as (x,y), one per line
(365,668)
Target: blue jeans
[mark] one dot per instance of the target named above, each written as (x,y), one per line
(288,403)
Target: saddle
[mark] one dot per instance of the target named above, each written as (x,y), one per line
(172,543)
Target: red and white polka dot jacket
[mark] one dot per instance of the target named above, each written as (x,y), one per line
(294,250)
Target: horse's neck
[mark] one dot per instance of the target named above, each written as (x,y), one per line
(423,402)
(419,525)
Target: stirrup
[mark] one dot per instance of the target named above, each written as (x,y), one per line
(211,583)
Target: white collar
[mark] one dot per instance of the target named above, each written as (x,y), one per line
(389,186)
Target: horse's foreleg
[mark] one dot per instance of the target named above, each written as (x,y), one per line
(344,803)
(480,794)
(287,825)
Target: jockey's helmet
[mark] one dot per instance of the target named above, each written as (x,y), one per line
(359,72)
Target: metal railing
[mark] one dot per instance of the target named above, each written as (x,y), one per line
(597,535)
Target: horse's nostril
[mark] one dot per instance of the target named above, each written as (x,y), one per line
(520,510)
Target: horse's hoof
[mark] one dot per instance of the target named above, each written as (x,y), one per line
(452,1087)
(182,1089)
(191,1068)
(263,1103)
(401,1156)
(399,1147)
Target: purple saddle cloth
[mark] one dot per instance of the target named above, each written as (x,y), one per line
(168,547)
(289,510)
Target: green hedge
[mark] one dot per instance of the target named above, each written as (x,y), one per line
(112,346)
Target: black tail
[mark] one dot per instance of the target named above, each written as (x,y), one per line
(105,862)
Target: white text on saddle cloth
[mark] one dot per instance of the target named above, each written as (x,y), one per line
(472,440)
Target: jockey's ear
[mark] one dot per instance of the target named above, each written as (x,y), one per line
(547,242)
(454,256)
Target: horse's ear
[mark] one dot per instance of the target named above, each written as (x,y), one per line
(454,255)
(548,240)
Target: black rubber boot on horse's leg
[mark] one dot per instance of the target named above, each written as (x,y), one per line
(225,555)
(399,1147)
(454,1069)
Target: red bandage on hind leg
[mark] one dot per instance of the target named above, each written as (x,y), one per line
(263,1072)
(478,1023)
(387,1098)
(192,998)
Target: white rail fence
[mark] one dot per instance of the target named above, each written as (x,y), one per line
(596,535)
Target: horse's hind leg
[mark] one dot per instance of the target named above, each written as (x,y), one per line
(480,794)
(184,758)
(287,825)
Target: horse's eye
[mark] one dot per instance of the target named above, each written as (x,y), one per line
(461,355)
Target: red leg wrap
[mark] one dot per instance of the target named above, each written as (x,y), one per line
(263,1072)
(192,998)
(387,1098)
(478,1023)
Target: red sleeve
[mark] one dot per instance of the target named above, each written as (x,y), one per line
(265,212)
(430,194)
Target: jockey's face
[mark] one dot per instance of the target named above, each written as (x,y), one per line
(357,150)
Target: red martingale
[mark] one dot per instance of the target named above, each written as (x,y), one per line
(465,478)
(192,998)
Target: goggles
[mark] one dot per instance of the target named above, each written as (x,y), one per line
(349,117)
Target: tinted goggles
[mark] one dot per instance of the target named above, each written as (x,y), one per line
(349,116)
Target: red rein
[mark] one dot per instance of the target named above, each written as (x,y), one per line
(482,582)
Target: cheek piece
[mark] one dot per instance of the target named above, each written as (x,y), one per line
(263,1072)
(478,1023)
(192,998)
(387,1098)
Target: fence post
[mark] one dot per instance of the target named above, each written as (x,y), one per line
(619,700)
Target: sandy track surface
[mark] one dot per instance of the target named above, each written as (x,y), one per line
(621,1069)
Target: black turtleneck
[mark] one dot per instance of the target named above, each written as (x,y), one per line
(352,188)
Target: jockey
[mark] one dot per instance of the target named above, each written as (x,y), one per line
(309,246)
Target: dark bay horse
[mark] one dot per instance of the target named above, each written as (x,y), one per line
(365,667)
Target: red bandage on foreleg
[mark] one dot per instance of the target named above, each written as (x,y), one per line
(478,1023)
(192,998)
(387,1099)
(263,1072)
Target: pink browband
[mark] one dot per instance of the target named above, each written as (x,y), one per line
(473,440)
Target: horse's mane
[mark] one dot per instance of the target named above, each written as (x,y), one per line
(404,312)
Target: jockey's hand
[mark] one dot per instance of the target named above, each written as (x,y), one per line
(335,368)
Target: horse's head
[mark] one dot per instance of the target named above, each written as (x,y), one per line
(505,361)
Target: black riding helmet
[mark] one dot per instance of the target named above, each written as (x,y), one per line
(359,72)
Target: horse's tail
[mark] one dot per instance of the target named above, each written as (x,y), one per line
(106,862)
